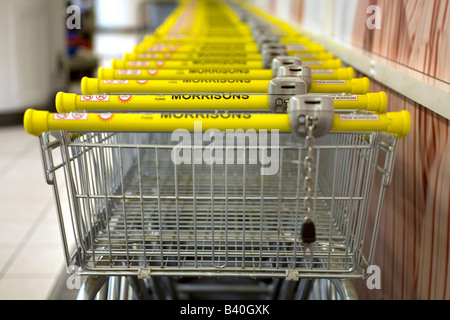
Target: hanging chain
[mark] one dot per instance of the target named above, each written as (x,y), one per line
(309,165)
(308,227)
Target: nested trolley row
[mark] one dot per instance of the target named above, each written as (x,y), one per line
(154,177)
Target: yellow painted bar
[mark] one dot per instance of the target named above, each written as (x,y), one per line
(250,47)
(237,38)
(375,102)
(354,86)
(70,102)
(90,86)
(333,74)
(323,64)
(185,74)
(314,56)
(201,64)
(169,48)
(192,56)
(37,122)
(216,56)
(213,74)
(192,64)
(241,35)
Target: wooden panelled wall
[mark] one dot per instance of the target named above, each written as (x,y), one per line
(414,236)
(413,246)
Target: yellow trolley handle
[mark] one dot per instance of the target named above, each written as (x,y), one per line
(190,56)
(214,74)
(311,48)
(172,48)
(69,102)
(216,56)
(205,64)
(37,122)
(93,86)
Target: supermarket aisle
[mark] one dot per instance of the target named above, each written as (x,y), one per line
(30,251)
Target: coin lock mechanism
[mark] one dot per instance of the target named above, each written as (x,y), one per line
(281,89)
(263,38)
(273,45)
(301,72)
(271,53)
(316,107)
(258,26)
(284,60)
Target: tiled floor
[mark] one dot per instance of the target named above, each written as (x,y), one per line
(30,251)
(31,254)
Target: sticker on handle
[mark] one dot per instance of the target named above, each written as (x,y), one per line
(72,116)
(330,81)
(94,98)
(359,117)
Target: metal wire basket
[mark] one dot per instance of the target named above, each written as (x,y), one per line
(131,210)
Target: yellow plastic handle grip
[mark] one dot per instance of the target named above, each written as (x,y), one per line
(37,122)
(69,102)
(375,102)
(229,39)
(90,86)
(397,123)
(167,48)
(296,48)
(193,64)
(333,74)
(323,64)
(192,56)
(315,56)
(185,74)
(213,74)
(211,64)
(354,86)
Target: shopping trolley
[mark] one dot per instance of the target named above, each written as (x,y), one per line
(138,212)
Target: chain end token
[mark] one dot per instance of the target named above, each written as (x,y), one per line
(308,234)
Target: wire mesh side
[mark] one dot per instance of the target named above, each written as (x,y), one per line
(134,208)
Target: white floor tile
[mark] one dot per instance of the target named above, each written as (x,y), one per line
(46,234)
(38,259)
(15,138)
(16,207)
(14,229)
(6,252)
(26,287)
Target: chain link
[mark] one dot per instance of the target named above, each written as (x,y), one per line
(308,228)
(309,165)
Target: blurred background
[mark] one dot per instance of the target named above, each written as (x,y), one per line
(48,49)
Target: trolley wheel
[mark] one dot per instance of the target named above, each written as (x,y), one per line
(325,289)
(117,288)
